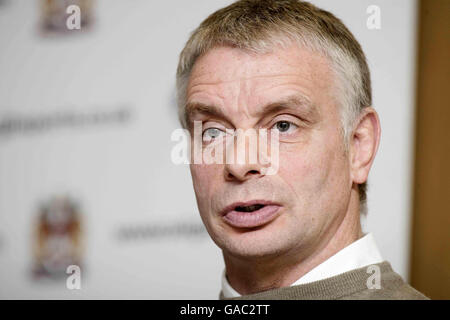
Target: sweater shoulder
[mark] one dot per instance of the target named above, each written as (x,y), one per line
(405,292)
(392,287)
(352,285)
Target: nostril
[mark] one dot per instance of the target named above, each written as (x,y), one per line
(241,175)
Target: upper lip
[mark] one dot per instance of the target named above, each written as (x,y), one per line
(233,206)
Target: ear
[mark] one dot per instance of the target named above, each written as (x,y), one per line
(364,144)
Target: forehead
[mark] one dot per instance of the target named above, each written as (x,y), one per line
(222,68)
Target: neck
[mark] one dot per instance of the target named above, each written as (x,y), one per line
(250,275)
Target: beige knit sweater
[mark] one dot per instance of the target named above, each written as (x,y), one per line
(351,285)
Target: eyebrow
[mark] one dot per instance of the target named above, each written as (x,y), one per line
(295,102)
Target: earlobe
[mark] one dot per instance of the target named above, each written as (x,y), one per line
(364,144)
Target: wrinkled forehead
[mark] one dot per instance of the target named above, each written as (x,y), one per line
(226,64)
(226,73)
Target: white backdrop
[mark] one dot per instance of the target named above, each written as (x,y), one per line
(120,173)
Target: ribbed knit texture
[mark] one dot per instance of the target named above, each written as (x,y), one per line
(351,285)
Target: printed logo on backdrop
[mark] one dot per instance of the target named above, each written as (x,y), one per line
(158,230)
(20,124)
(57,240)
(66,16)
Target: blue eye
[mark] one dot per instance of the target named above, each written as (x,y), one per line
(211,134)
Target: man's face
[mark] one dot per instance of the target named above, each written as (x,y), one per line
(307,199)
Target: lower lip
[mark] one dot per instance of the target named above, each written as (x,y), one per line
(252,219)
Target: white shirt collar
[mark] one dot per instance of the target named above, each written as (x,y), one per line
(361,253)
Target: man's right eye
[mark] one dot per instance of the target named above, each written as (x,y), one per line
(211,134)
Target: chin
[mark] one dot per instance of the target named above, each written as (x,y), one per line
(253,251)
(261,243)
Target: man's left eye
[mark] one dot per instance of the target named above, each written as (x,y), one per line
(284,126)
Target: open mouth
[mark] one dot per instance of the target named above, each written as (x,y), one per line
(250,214)
(249,208)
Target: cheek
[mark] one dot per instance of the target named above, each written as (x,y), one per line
(312,170)
(200,176)
(204,179)
(300,166)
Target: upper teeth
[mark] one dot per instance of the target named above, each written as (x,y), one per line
(249,208)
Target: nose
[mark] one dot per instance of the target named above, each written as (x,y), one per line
(244,164)
(242,172)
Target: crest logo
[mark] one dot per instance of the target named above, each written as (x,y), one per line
(57,238)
